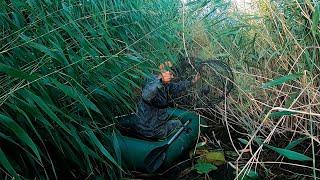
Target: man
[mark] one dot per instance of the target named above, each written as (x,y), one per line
(153,120)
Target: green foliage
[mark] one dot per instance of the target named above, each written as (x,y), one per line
(279,114)
(67,68)
(215,157)
(6,164)
(281,80)
(251,174)
(243,141)
(292,155)
(204,168)
(296,142)
(315,20)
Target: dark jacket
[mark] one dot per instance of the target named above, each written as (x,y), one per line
(152,121)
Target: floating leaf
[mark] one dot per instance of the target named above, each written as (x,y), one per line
(215,157)
(204,168)
(292,155)
(281,80)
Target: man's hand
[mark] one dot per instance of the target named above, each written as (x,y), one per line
(196,78)
(165,75)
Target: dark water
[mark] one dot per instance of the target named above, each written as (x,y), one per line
(184,171)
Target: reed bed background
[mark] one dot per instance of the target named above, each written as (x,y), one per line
(67,69)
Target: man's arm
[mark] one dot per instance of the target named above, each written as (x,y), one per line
(154,94)
(151,90)
(176,89)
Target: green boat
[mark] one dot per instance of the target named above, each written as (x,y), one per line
(134,151)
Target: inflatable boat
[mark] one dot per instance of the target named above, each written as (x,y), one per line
(134,150)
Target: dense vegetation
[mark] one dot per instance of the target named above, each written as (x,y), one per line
(68,68)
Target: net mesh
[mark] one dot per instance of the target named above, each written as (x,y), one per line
(215,84)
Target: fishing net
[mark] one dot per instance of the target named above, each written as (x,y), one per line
(213,86)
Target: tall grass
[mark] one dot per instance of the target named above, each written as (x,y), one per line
(275,107)
(67,68)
